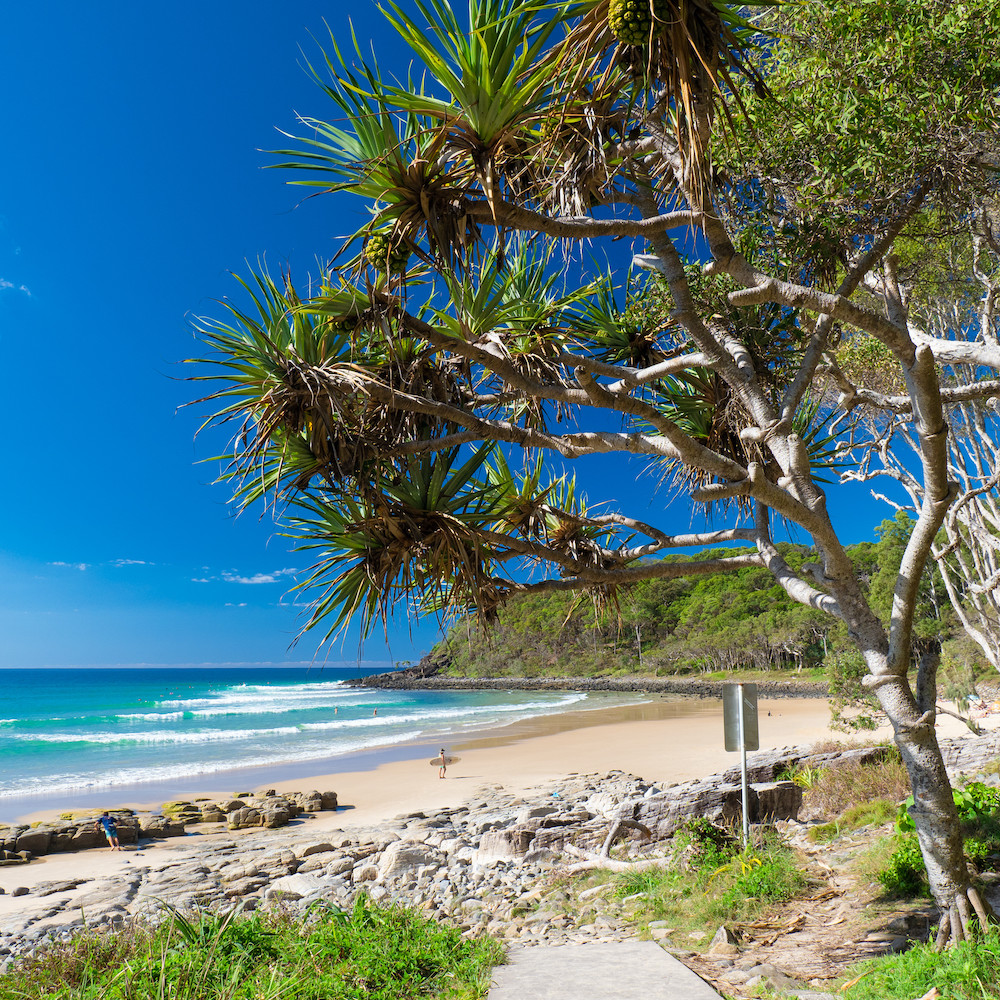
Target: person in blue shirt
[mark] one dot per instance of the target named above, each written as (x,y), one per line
(110,830)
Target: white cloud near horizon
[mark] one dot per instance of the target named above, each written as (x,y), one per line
(231,576)
(69,565)
(273,577)
(130,562)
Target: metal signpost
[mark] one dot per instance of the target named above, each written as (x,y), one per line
(739,717)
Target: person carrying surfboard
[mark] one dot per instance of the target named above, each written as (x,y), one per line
(443,765)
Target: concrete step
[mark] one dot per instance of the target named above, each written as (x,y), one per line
(607,970)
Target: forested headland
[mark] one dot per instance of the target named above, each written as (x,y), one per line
(724,623)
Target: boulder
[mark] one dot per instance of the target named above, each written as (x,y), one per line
(777,800)
(340,866)
(274,817)
(319,848)
(403,856)
(511,842)
(157,826)
(365,873)
(240,819)
(35,841)
(295,887)
(534,812)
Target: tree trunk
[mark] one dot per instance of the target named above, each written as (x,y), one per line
(933,810)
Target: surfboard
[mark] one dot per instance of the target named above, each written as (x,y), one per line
(448,760)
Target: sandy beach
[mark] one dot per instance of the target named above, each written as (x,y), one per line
(654,740)
(663,739)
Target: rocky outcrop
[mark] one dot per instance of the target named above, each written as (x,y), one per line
(79,832)
(75,833)
(429,676)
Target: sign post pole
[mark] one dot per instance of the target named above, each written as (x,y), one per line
(743,771)
(739,713)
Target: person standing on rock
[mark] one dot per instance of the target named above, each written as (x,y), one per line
(442,765)
(110,830)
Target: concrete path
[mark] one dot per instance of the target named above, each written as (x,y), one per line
(612,970)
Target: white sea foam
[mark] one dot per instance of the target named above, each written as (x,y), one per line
(74,782)
(261,697)
(464,717)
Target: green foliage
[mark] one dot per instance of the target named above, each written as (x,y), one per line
(713,879)
(893,94)
(741,619)
(904,873)
(974,801)
(801,775)
(382,954)
(978,807)
(968,971)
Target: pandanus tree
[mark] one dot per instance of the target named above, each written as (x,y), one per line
(413,417)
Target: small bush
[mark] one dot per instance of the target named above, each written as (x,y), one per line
(904,875)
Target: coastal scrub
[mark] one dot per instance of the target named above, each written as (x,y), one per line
(330,954)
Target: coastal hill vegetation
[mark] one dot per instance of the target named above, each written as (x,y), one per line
(735,622)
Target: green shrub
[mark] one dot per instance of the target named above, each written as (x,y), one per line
(904,875)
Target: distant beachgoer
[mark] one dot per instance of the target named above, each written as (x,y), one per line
(110,830)
(443,765)
(374,712)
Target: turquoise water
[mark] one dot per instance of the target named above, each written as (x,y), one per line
(69,731)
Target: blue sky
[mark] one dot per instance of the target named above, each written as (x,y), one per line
(132,183)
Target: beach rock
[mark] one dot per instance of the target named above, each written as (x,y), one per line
(35,841)
(365,873)
(318,848)
(777,800)
(665,813)
(294,887)
(512,842)
(158,826)
(19,891)
(402,856)
(534,812)
(275,817)
(241,819)
(279,863)
(341,866)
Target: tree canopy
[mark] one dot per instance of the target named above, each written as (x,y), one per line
(793,181)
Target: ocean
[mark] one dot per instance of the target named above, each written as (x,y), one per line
(69,733)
